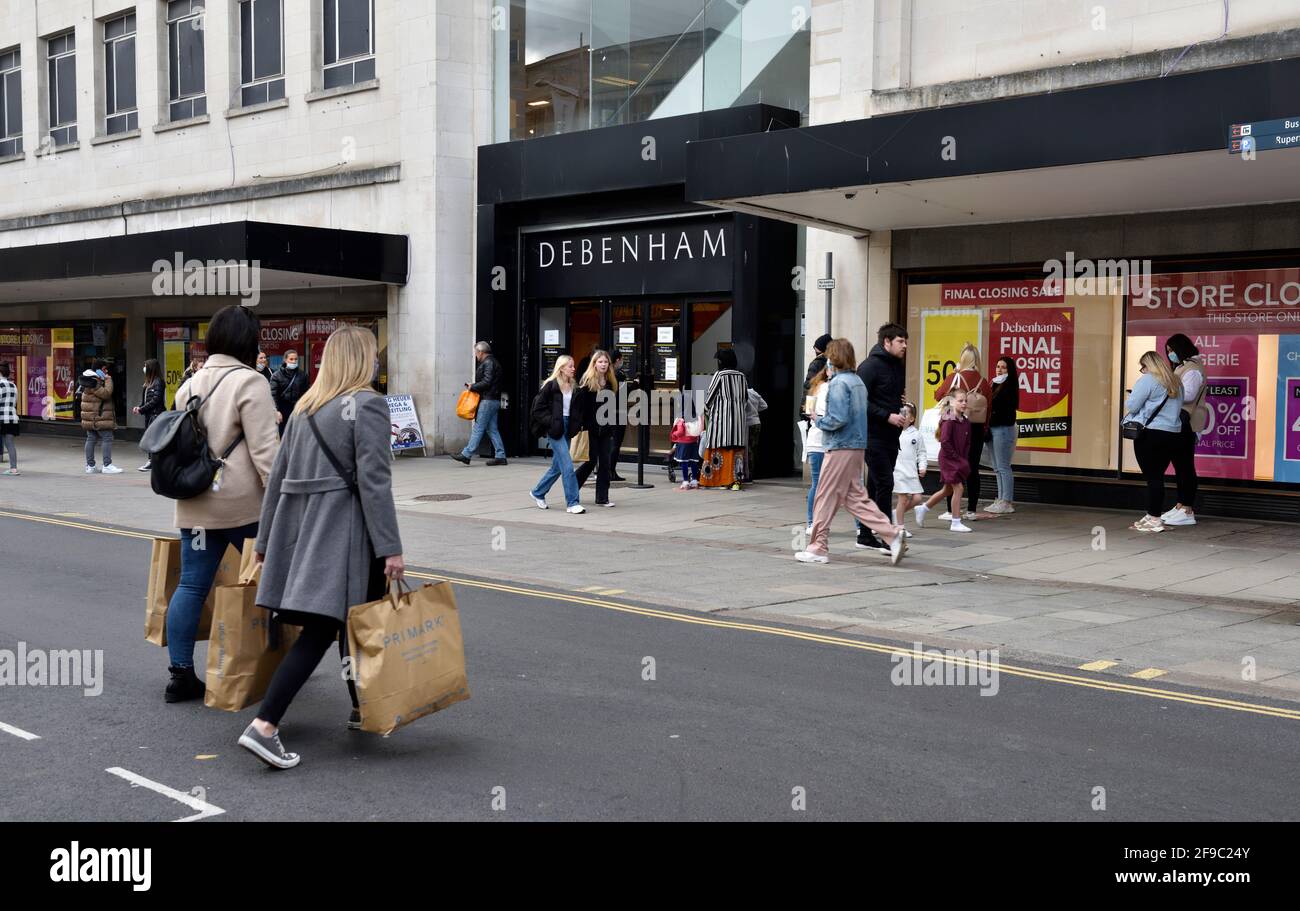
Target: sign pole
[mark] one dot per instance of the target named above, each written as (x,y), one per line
(829,285)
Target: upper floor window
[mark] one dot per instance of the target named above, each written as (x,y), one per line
(261,51)
(11,103)
(186,97)
(349,42)
(61,54)
(120,111)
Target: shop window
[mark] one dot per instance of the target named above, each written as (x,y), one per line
(61,83)
(349,29)
(185,60)
(119,75)
(1066,345)
(1246,325)
(261,51)
(11,103)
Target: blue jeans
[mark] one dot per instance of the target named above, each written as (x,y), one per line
(485,421)
(1004,446)
(815,465)
(105,439)
(198,569)
(561,468)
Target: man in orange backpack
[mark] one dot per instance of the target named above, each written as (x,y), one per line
(487,383)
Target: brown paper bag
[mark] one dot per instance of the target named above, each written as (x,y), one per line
(580,447)
(241,661)
(165,575)
(408,656)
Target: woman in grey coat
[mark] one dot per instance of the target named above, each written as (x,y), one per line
(328,533)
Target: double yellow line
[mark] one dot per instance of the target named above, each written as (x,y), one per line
(1095,683)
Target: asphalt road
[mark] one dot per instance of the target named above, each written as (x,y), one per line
(562,719)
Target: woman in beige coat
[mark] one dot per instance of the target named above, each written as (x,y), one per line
(97,417)
(240,409)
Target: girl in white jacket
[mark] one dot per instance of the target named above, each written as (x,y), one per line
(910,467)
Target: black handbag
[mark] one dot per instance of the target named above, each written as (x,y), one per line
(1131,430)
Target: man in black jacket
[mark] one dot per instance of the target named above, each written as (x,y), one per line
(487,383)
(882,372)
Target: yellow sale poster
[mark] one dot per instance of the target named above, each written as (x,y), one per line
(173,368)
(943,333)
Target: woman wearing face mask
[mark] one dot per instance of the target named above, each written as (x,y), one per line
(287,386)
(1194,419)
(263,366)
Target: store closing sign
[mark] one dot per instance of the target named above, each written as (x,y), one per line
(1040,340)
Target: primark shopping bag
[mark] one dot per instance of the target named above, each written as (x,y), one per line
(165,575)
(247,645)
(408,656)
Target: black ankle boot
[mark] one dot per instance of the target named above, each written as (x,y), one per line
(184,685)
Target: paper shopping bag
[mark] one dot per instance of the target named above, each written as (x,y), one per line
(165,575)
(408,656)
(246,648)
(580,448)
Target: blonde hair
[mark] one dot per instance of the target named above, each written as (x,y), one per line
(561,362)
(1158,367)
(946,403)
(969,359)
(346,366)
(591,375)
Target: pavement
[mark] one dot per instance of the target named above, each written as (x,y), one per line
(1214,605)
(733,721)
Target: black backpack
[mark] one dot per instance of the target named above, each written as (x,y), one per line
(539,417)
(183,466)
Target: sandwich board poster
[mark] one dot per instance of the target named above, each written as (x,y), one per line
(405,430)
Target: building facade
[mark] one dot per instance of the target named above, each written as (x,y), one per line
(981,148)
(161,159)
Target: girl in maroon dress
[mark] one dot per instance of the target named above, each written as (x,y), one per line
(954,458)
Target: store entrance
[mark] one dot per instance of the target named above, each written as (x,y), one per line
(667,348)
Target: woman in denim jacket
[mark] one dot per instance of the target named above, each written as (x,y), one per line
(844,429)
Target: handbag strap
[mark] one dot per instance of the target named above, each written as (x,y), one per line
(203,400)
(349,478)
(1158,409)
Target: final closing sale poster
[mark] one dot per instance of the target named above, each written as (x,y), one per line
(1041,342)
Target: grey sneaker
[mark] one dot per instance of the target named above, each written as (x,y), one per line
(268,749)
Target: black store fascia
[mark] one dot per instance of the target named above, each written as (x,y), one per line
(618,189)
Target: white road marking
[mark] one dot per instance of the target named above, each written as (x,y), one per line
(18,732)
(205,809)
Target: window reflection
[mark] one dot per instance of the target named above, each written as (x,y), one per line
(578,64)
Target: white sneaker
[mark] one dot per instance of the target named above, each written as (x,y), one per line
(609,505)
(920,512)
(906,533)
(576,510)
(897,547)
(1148,523)
(541,504)
(686,485)
(996,507)
(695,485)
(1178,516)
(112,469)
(807,556)
(808,531)
(91,469)
(945,517)
(958,526)
(1008,507)
(968,515)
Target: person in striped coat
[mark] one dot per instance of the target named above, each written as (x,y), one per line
(8,417)
(725,425)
